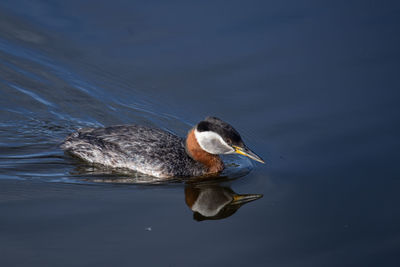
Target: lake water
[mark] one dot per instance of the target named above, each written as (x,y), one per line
(312,87)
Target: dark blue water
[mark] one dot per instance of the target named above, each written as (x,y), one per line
(312,87)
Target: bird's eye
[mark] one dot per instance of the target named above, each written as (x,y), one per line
(229,141)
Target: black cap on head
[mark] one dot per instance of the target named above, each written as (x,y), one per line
(226,131)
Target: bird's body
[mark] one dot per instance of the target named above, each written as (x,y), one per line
(146,150)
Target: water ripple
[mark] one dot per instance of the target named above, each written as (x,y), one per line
(30,134)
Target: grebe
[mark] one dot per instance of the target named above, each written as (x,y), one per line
(159,153)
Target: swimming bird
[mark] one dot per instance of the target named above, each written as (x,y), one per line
(158,153)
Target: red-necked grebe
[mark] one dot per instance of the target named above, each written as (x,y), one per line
(159,153)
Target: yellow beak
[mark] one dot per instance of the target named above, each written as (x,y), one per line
(248,153)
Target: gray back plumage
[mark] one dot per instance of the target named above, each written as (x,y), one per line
(148,150)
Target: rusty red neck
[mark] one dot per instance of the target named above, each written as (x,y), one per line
(212,162)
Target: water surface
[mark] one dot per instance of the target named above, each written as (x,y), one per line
(312,87)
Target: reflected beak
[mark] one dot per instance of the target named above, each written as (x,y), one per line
(241,199)
(248,153)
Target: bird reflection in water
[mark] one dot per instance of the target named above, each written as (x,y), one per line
(208,199)
(212,201)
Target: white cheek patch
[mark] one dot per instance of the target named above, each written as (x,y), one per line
(213,143)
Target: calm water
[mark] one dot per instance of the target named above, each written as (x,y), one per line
(312,87)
